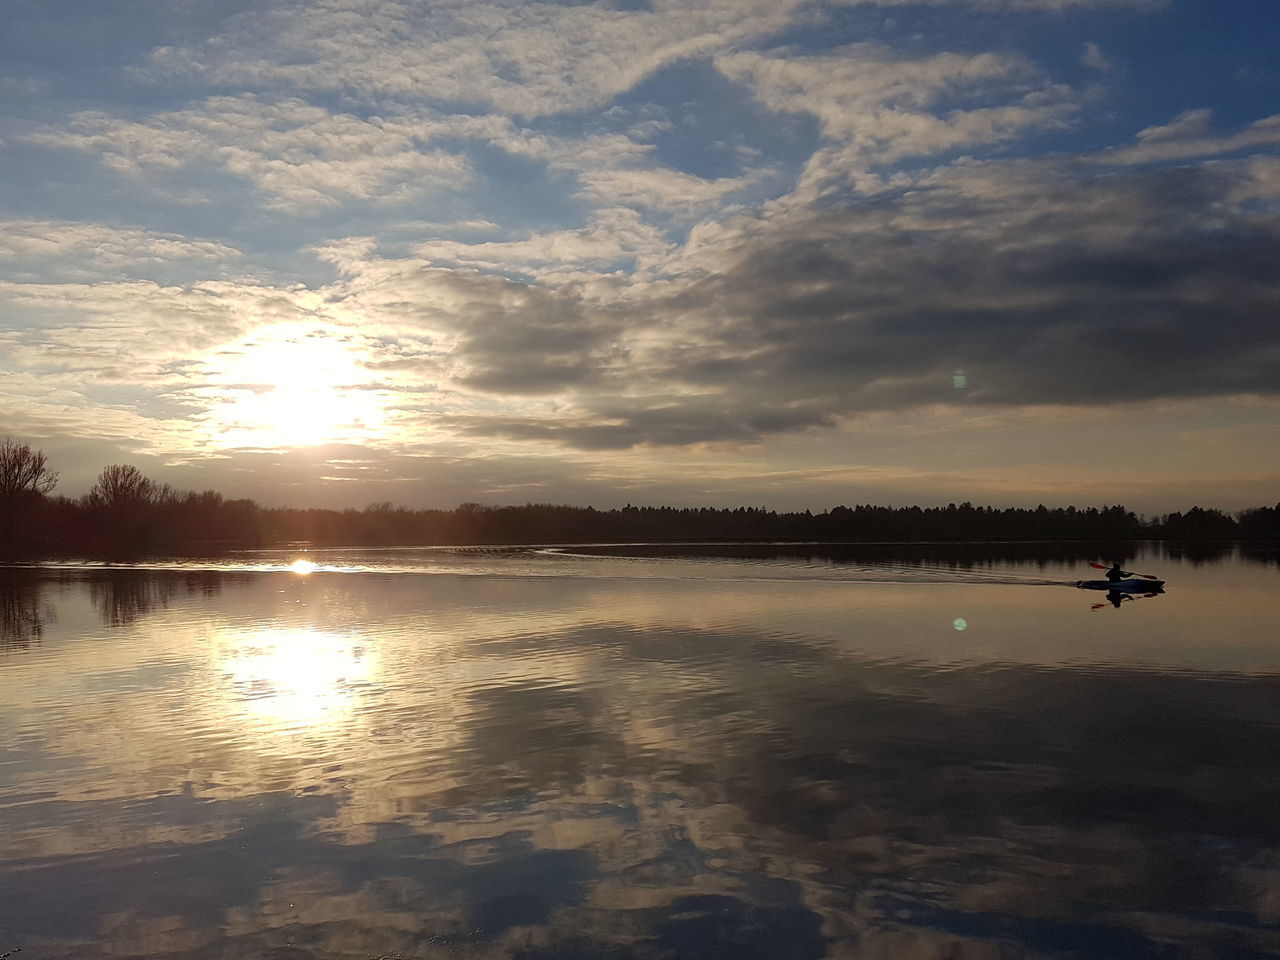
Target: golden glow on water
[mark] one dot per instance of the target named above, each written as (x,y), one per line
(302,566)
(376,758)
(289,680)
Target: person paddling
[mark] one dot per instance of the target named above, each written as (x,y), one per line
(1115,574)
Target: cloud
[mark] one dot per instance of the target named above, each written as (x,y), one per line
(418,87)
(1093,58)
(501,337)
(841,86)
(141,320)
(77,249)
(304,159)
(1043,282)
(661,190)
(1190,135)
(217,365)
(877,107)
(473,226)
(527,59)
(300,157)
(677,420)
(535,59)
(118,358)
(611,237)
(666,230)
(77,418)
(1019,273)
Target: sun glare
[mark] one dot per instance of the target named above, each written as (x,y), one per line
(302,566)
(294,387)
(289,679)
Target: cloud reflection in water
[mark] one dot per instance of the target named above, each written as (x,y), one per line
(354,765)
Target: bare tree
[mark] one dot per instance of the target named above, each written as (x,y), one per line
(122,486)
(24,472)
(125,509)
(25,478)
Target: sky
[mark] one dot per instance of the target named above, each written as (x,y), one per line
(781,253)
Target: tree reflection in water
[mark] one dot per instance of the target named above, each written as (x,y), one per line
(23,614)
(456,768)
(123,596)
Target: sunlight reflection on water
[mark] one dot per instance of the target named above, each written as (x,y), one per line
(200,762)
(284,679)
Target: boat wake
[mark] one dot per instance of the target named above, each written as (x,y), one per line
(574,563)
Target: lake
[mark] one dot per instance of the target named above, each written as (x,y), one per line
(776,753)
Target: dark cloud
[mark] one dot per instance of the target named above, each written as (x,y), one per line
(510,338)
(671,422)
(1005,283)
(1040,283)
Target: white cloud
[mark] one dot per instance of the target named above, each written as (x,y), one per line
(611,235)
(661,190)
(486,335)
(839,88)
(215,365)
(301,157)
(131,329)
(759,325)
(855,296)
(1190,124)
(81,248)
(1093,58)
(877,108)
(520,59)
(1190,135)
(535,58)
(1259,182)
(473,226)
(612,168)
(1012,270)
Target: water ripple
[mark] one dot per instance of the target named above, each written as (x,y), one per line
(558,758)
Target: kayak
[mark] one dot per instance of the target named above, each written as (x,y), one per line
(1142,586)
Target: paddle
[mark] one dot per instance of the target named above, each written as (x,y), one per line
(1103,566)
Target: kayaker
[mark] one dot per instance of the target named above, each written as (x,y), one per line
(1115,574)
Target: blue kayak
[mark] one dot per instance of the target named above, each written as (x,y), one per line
(1130,586)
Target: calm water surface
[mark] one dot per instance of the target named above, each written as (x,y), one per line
(546,754)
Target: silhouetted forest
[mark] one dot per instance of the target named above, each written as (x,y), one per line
(128,514)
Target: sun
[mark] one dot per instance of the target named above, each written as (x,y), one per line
(294,386)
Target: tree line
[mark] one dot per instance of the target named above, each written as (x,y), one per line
(128,514)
